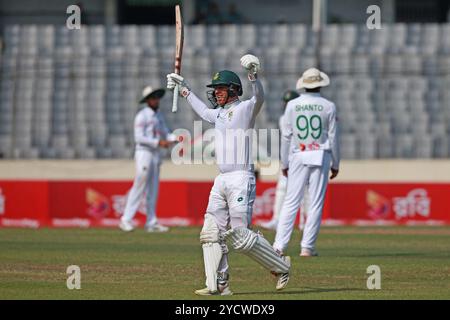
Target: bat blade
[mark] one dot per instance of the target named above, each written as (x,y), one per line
(179,42)
(179,39)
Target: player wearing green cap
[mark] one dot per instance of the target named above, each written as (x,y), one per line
(229,212)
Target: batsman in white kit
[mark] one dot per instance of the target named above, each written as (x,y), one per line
(309,148)
(151,135)
(229,212)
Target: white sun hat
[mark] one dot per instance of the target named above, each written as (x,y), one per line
(313,78)
(148,92)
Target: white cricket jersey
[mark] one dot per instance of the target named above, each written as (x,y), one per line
(234,127)
(310,127)
(149,128)
(281,123)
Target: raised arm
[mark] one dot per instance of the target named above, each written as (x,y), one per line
(258,96)
(198,105)
(201,109)
(252,65)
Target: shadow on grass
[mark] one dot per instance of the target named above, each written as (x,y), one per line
(306,290)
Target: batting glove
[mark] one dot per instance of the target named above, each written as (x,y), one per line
(174,80)
(252,65)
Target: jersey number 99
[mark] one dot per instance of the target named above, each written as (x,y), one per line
(311,126)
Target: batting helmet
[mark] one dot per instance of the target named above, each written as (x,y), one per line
(226,78)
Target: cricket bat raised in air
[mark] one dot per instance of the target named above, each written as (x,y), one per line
(179,31)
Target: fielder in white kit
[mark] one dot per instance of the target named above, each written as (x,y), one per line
(280,191)
(151,135)
(229,211)
(309,148)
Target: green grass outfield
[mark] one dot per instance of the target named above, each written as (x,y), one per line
(414,262)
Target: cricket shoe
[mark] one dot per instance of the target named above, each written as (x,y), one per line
(224,291)
(223,287)
(305,252)
(283,278)
(126,226)
(156,228)
(270,225)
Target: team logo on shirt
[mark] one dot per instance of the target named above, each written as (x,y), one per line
(310,147)
(240,199)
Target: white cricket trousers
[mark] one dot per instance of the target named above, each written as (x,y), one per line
(280,194)
(299,176)
(145,182)
(231,204)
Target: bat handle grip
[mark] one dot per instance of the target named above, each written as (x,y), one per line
(175,98)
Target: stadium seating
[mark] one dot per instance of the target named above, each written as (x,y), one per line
(73,93)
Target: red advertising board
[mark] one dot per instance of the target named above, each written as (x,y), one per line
(101,203)
(24,203)
(393,203)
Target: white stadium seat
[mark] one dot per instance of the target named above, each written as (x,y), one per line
(79,90)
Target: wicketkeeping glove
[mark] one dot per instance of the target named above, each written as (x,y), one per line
(252,65)
(173,80)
